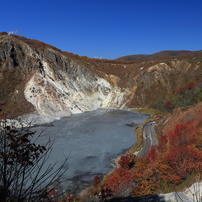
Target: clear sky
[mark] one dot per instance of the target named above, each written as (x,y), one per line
(107,28)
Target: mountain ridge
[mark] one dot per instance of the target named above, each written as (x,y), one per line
(158,55)
(34,73)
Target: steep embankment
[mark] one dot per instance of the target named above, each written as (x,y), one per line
(37,77)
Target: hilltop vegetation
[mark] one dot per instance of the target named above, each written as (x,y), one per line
(182,97)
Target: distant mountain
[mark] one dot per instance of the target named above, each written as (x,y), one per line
(158,55)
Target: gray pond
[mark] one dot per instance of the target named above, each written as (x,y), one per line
(90,140)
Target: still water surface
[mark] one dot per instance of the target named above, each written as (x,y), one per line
(90,140)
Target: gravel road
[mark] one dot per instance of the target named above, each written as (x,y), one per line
(149,138)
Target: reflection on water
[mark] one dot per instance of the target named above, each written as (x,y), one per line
(90,140)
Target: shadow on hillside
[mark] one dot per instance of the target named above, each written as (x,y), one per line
(174,196)
(152,198)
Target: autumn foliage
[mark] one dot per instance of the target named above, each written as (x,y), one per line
(169,105)
(171,161)
(189,86)
(120,180)
(152,154)
(96,181)
(177,155)
(180,90)
(126,161)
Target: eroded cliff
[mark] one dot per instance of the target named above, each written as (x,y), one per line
(49,83)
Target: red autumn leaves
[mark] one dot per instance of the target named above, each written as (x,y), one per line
(175,157)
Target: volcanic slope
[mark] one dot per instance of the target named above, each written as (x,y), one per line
(38,78)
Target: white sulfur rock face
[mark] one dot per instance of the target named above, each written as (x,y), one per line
(57,94)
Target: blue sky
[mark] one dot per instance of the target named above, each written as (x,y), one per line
(107,28)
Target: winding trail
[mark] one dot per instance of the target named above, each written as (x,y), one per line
(149,138)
